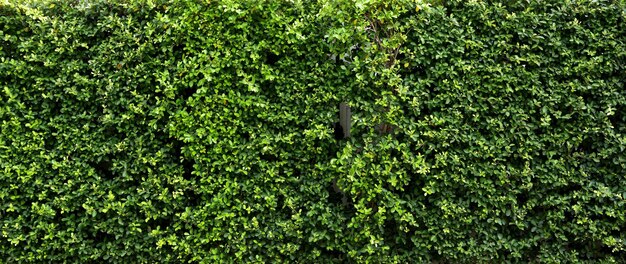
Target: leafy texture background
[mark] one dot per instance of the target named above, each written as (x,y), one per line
(202,131)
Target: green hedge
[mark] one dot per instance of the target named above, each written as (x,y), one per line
(203,131)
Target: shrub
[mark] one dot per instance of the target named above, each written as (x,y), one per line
(202,131)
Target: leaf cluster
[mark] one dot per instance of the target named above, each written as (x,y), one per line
(202,131)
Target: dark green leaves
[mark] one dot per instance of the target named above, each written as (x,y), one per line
(202,131)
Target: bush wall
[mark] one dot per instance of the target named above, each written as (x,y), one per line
(204,131)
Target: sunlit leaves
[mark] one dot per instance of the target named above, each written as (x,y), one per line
(202,131)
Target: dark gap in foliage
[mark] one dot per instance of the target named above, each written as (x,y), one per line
(506,254)
(617,119)
(193,197)
(541,210)
(517,39)
(391,227)
(522,198)
(517,233)
(427,109)
(398,58)
(110,132)
(515,160)
(160,223)
(268,157)
(473,206)
(59,217)
(586,146)
(589,96)
(438,258)
(177,152)
(331,148)
(51,138)
(568,215)
(187,168)
(245,135)
(85,63)
(337,131)
(49,106)
(189,91)
(91,18)
(335,254)
(280,201)
(103,167)
(395,153)
(589,251)
(101,236)
(179,47)
(599,216)
(336,196)
(297,172)
(402,138)
(373,204)
(101,36)
(271,58)
(268,85)
(567,190)
(534,251)
(8,51)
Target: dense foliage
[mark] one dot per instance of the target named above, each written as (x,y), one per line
(202,131)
